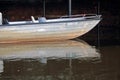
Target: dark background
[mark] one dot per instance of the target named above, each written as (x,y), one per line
(108,30)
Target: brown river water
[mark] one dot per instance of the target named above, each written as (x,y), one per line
(63,60)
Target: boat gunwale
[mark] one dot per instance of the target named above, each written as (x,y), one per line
(67,21)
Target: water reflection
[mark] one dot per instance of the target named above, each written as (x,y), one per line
(66,60)
(48,50)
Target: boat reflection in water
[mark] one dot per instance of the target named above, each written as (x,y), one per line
(48,50)
(47,61)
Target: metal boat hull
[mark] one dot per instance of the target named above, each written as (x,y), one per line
(46,31)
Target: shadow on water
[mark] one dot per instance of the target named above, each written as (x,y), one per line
(65,60)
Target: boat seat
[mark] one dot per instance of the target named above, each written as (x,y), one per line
(41,19)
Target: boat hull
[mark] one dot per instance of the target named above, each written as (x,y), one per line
(46,31)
